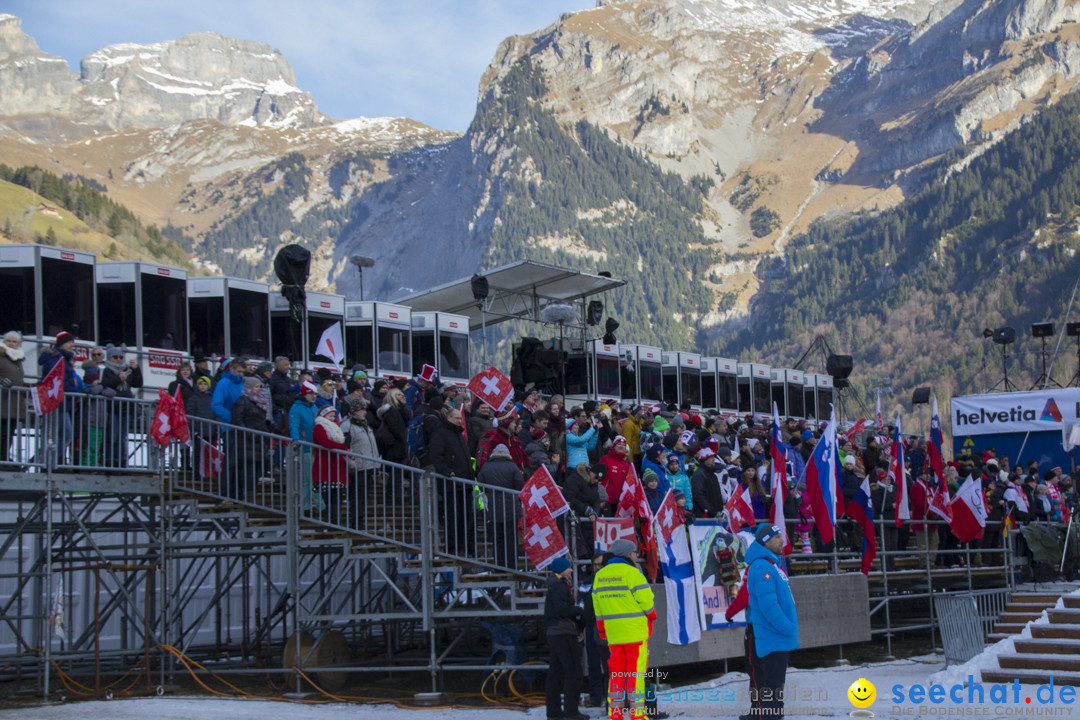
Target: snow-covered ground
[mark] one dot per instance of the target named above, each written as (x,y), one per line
(812,693)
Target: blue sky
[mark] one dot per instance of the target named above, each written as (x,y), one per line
(356,57)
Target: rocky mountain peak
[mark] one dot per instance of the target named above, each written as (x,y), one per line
(202,76)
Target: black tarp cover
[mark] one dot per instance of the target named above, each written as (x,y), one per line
(292,266)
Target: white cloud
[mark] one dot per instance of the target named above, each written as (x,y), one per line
(357,57)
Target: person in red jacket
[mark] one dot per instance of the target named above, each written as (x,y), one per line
(618,470)
(504,433)
(330,470)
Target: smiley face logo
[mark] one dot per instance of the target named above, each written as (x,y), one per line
(862,693)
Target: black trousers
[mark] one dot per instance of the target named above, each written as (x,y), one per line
(753,669)
(773,676)
(564,676)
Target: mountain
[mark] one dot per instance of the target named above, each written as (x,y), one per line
(696,147)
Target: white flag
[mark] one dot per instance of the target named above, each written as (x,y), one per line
(331,345)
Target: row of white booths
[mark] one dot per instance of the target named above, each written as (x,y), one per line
(161,316)
(652,376)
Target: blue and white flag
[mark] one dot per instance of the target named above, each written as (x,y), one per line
(683,623)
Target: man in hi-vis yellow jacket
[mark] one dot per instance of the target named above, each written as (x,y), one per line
(625,614)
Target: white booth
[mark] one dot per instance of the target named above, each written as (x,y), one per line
(641,374)
(229,317)
(682,378)
(379,335)
(787,392)
(755,390)
(143,308)
(44,290)
(442,340)
(298,341)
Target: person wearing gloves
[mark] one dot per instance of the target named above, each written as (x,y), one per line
(775,623)
(623,602)
(562,618)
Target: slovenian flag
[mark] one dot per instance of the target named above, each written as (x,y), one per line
(898,473)
(779,480)
(861,510)
(939,499)
(823,481)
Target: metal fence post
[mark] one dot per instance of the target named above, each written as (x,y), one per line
(293,477)
(427,584)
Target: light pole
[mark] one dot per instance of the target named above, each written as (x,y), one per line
(361,262)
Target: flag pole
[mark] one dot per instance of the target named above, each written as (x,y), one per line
(1065,550)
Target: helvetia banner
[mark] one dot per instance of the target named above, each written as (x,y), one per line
(1035,411)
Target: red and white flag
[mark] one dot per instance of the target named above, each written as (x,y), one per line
(935,464)
(669,517)
(855,430)
(331,346)
(880,423)
(179,419)
(608,530)
(492,387)
(633,503)
(161,428)
(541,492)
(211,460)
(543,541)
(49,393)
(740,511)
(968,511)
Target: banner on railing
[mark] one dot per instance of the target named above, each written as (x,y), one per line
(1035,411)
(719,561)
(608,530)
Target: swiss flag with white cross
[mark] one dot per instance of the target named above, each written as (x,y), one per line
(492,387)
(543,541)
(541,491)
(669,516)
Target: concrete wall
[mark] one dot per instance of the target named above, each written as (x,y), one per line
(833,610)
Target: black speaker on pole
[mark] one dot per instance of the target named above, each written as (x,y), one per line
(921,396)
(839,366)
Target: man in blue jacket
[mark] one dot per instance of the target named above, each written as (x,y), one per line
(776,626)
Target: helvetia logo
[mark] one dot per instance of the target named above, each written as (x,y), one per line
(1050,412)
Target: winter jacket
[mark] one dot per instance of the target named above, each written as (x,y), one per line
(110,378)
(95,407)
(199,405)
(561,615)
(361,440)
(48,358)
(447,449)
(631,430)
(538,455)
(663,486)
(578,446)
(11,370)
(247,414)
(397,450)
(623,602)
(501,471)
(618,470)
(583,495)
(478,427)
(302,422)
(226,392)
(281,392)
(495,437)
(776,625)
(679,481)
(707,498)
(187,389)
(328,468)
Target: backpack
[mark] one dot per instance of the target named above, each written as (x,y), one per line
(417,437)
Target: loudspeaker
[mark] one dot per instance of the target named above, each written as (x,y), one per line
(839,366)
(921,396)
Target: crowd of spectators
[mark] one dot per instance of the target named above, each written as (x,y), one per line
(591,449)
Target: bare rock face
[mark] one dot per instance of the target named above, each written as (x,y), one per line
(31,82)
(203,76)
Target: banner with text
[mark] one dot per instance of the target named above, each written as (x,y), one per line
(1035,411)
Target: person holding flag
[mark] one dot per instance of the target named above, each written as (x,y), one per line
(823,483)
(779,480)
